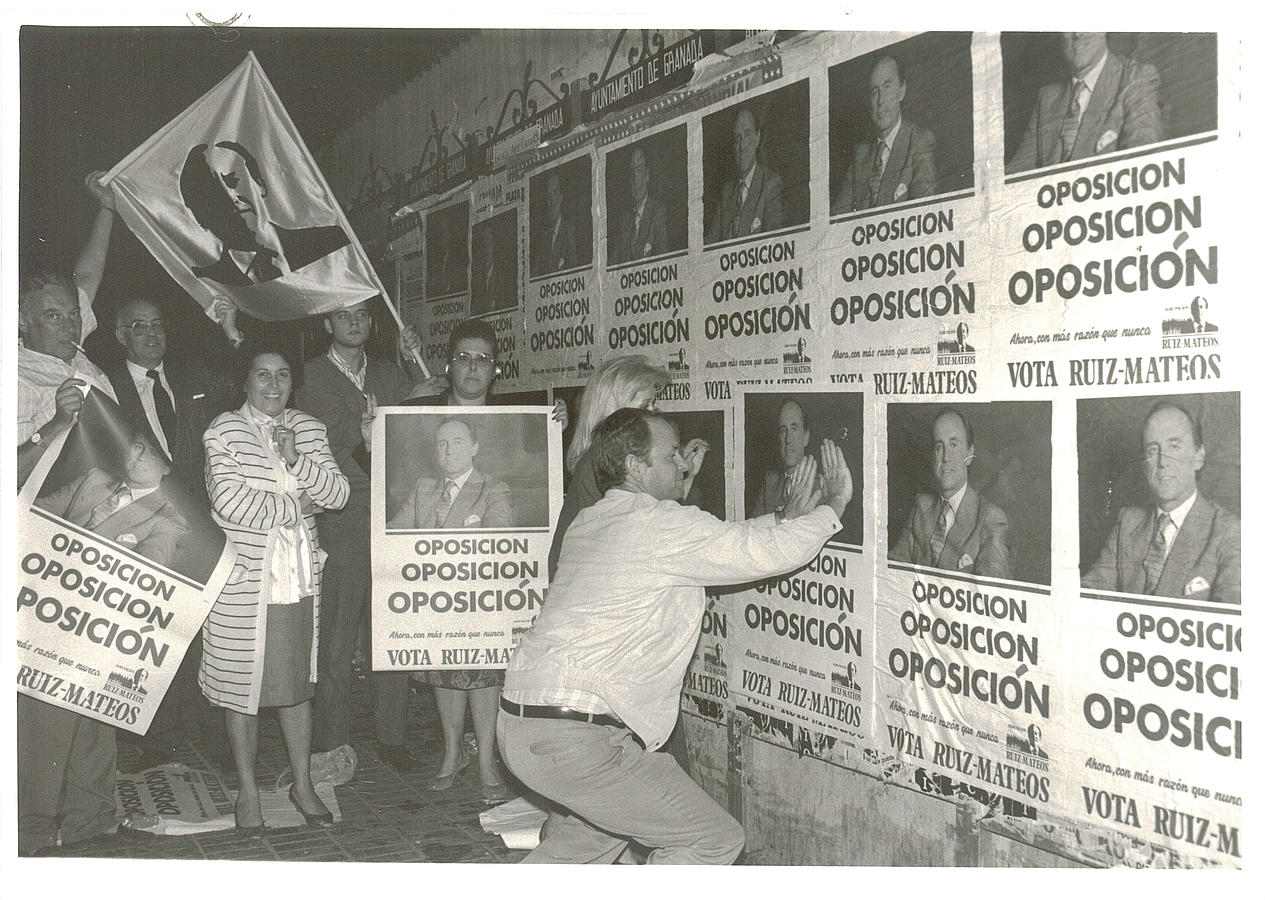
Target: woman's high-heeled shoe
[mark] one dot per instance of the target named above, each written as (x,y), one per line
(444,782)
(493,791)
(247,831)
(321,818)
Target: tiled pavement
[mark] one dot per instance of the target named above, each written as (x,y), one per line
(386,816)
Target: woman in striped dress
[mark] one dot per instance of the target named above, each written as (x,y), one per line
(268,469)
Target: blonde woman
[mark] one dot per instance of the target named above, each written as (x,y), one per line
(623,381)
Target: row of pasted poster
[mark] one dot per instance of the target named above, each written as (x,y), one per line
(719,236)
(1063,673)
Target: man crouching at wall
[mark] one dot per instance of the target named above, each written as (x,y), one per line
(593,689)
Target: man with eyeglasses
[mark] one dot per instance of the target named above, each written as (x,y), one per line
(1182,545)
(342,387)
(65,761)
(955,528)
(170,401)
(54,315)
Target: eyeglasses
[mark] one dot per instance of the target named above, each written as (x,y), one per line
(480,360)
(346,316)
(150,326)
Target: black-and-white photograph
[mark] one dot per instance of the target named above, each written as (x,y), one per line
(560,213)
(647,198)
(902,123)
(1076,95)
(1160,495)
(448,251)
(466,470)
(755,165)
(494,265)
(780,429)
(968,488)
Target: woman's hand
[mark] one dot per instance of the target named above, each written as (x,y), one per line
(693,455)
(560,414)
(366,420)
(283,436)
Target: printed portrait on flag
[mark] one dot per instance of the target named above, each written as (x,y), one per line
(224,188)
(228,199)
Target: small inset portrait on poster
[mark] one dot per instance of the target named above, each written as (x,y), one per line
(968,488)
(647,198)
(1079,95)
(560,216)
(780,429)
(902,123)
(1194,318)
(1159,496)
(756,165)
(447,251)
(457,469)
(494,268)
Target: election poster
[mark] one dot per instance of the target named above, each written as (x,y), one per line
(118,567)
(803,639)
(462,515)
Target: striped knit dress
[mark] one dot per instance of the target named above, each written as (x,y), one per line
(246,502)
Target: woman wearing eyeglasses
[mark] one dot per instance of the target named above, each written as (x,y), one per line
(471,370)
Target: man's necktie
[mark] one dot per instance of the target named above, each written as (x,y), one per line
(876,174)
(1072,121)
(445,503)
(162,403)
(120,497)
(942,531)
(1156,553)
(736,227)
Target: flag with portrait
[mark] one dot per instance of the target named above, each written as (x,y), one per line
(231,203)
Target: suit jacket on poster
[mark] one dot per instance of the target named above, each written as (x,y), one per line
(151,525)
(975,543)
(483,502)
(910,172)
(300,246)
(761,208)
(491,291)
(1123,111)
(770,496)
(198,396)
(555,252)
(650,239)
(1204,563)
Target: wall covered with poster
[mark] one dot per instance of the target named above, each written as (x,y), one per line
(998,271)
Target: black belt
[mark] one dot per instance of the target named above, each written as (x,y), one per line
(559,712)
